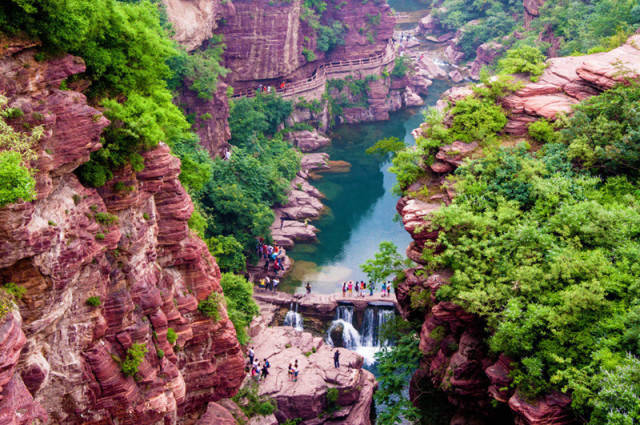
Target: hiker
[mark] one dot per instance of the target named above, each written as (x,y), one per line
(344,289)
(370,289)
(257,373)
(336,358)
(268,283)
(264,250)
(350,287)
(282,85)
(275,283)
(265,369)
(308,288)
(295,371)
(251,354)
(290,372)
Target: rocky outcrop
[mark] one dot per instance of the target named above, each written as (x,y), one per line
(211,118)
(308,141)
(130,248)
(531,10)
(486,54)
(194,20)
(307,398)
(569,80)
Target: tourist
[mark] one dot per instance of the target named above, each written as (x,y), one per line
(268,283)
(258,371)
(344,289)
(308,288)
(370,289)
(357,287)
(350,287)
(295,371)
(265,369)
(384,288)
(389,288)
(290,372)
(251,354)
(336,358)
(362,288)
(265,250)
(275,283)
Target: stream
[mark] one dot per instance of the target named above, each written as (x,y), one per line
(360,204)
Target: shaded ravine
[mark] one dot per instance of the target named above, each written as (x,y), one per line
(360,204)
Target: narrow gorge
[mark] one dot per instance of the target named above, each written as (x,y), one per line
(306,212)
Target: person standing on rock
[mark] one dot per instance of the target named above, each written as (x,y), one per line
(251,355)
(265,369)
(275,283)
(370,289)
(336,358)
(308,291)
(295,372)
(350,287)
(344,289)
(357,288)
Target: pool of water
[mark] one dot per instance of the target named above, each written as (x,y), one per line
(408,5)
(360,204)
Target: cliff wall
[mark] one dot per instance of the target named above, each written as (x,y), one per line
(127,243)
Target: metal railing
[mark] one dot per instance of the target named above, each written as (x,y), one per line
(324,71)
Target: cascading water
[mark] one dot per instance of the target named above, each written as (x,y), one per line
(293,318)
(366,342)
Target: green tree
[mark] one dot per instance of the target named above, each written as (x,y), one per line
(386,262)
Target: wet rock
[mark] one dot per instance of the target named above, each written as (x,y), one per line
(429,69)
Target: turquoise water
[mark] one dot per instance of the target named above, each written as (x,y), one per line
(360,204)
(408,5)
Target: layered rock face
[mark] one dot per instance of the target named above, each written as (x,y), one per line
(132,248)
(569,80)
(265,39)
(194,23)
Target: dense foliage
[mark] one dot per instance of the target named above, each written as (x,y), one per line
(579,27)
(548,257)
(386,262)
(604,133)
(135,356)
(523,59)
(240,304)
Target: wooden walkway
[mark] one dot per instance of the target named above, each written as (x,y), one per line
(324,72)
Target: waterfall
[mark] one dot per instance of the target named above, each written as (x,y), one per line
(350,336)
(293,318)
(374,320)
(344,312)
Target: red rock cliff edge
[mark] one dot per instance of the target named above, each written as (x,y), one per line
(59,357)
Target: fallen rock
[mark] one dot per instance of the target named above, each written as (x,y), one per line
(455,153)
(411,98)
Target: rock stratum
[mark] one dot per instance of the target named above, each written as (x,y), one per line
(59,357)
(456,358)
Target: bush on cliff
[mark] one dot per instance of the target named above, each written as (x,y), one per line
(135,356)
(604,133)
(548,256)
(524,59)
(238,292)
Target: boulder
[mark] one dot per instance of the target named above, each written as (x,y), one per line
(216,415)
(553,408)
(429,69)
(308,141)
(411,98)
(455,153)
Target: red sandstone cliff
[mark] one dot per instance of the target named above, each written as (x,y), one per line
(60,357)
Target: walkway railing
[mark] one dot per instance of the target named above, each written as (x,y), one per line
(324,71)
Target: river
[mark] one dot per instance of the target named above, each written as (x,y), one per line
(360,204)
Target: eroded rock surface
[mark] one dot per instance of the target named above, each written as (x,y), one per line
(307,398)
(131,248)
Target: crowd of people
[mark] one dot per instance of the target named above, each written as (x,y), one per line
(273,256)
(260,370)
(361,288)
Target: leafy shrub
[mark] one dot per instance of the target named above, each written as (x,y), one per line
(604,134)
(240,304)
(159,353)
(210,306)
(386,146)
(386,261)
(309,55)
(106,218)
(401,66)
(525,59)
(251,403)
(172,336)
(94,301)
(135,356)
(16,291)
(330,36)
(203,68)
(16,181)
(100,236)
(543,131)
(228,253)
